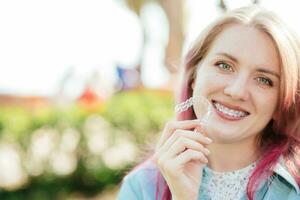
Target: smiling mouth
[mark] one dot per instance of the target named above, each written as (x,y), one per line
(228,112)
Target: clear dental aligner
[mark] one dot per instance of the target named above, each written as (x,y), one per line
(183,106)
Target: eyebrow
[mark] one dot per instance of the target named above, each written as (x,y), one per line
(263,70)
(268,72)
(228,56)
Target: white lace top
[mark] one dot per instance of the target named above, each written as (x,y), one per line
(225,185)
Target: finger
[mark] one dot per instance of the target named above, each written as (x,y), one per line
(171,126)
(190,155)
(193,135)
(182,144)
(201,130)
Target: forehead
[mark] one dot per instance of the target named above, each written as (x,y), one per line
(248,44)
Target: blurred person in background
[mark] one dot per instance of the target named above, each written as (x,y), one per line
(247,64)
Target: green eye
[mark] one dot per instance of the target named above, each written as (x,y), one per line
(224,66)
(265,81)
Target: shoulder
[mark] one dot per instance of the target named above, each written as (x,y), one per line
(146,167)
(140,183)
(280,188)
(283,184)
(143,175)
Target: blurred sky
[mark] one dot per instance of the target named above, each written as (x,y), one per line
(40,41)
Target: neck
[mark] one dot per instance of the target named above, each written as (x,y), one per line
(233,156)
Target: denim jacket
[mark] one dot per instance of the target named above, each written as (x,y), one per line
(140,185)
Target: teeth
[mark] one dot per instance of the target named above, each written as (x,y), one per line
(230,112)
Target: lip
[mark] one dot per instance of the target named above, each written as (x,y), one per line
(227,117)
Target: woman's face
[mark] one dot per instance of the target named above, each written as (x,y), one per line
(240,76)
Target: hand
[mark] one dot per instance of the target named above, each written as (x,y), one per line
(180,156)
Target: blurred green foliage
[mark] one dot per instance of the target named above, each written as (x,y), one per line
(132,114)
(139,113)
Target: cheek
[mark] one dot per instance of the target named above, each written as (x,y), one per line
(207,83)
(204,85)
(266,104)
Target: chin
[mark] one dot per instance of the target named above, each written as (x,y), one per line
(227,136)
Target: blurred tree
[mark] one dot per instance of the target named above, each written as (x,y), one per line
(136,7)
(223,6)
(174,13)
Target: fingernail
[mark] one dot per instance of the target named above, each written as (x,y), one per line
(206,161)
(207,151)
(198,129)
(208,140)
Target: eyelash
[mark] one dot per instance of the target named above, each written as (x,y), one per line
(262,80)
(220,64)
(265,81)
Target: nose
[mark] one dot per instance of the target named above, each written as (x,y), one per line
(237,88)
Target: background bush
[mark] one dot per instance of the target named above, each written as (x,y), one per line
(103,144)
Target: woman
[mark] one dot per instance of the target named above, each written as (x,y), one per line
(247,64)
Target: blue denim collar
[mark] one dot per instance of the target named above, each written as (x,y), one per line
(281,170)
